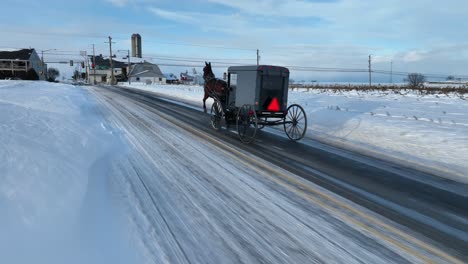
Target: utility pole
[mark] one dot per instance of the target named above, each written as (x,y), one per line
(258,57)
(44,72)
(370,70)
(42,64)
(110,60)
(129,67)
(391,72)
(94,64)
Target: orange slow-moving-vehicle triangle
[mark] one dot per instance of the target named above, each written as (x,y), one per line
(274,105)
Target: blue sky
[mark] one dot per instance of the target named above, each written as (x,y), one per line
(418,36)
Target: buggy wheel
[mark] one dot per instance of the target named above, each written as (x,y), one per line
(295,122)
(216,115)
(246,123)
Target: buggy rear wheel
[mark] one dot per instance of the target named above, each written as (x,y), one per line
(246,123)
(295,122)
(216,115)
(262,123)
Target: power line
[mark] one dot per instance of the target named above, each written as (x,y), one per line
(88,36)
(200,61)
(431,75)
(192,65)
(198,58)
(195,45)
(292,67)
(225,62)
(189,59)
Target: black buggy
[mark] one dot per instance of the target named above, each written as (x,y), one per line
(257,96)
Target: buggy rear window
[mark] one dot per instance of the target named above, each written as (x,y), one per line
(272,87)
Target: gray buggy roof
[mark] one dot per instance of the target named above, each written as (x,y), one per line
(270,68)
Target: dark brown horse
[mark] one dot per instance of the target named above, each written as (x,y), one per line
(214,88)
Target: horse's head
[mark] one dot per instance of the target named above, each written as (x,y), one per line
(208,72)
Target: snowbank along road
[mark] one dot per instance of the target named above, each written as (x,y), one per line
(195,195)
(56,155)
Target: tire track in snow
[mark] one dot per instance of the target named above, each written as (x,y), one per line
(151,126)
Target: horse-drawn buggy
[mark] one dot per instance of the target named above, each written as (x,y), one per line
(253,97)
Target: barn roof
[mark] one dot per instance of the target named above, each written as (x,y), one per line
(146,69)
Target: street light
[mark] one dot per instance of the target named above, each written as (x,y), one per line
(42,54)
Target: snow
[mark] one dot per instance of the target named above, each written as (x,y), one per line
(55,201)
(444,84)
(90,176)
(9,49)
(190,201)
(429,133)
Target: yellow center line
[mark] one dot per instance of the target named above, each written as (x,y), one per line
(263,169)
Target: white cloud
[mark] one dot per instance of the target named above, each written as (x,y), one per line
(397,31)
(416,35)
(122,3)
(413,56)
(119,3)
(182,17)
(290,8)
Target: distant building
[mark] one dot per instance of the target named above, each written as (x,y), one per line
(146,72)
(171,78)
(136,46)
(23,64)
(186,78)
(195,79)
(102,72)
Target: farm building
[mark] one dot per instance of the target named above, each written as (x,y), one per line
(102,72)
(23,64)
(195,79)
(146,72)
(171,78)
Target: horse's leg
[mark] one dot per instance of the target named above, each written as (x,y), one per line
(204,101)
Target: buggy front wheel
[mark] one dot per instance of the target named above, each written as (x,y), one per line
(295,122)
(216,115)
(246,122)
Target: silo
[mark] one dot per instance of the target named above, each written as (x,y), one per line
(136,45)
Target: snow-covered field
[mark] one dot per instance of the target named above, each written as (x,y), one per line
(55,201)
(429,133)
(400,84)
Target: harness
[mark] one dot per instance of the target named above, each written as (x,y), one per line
(210,91)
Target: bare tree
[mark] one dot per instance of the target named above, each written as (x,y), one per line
(52,74)
(415,80)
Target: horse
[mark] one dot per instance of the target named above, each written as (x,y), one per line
(213,87)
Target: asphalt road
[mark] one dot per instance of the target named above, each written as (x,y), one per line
(429,205)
